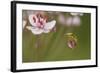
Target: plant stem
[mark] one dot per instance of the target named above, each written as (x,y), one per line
(38,48)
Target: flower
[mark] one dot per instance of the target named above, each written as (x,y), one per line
(39,24)
(61,18)
(69,21)
(76,21)
(73,21)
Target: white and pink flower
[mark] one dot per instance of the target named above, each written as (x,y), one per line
(39,24)
(73,21)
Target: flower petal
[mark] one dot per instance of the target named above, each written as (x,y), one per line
(69,21)
(61,18)
(76,21)
(35,30)
(29,27)
(50,25)
(46,31)
(33,21)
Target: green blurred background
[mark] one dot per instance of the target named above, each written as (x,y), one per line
(53,45)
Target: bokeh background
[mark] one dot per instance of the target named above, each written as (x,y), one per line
(53,45)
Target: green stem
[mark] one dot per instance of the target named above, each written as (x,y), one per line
(38,48)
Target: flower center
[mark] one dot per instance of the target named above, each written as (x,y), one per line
(41,21)
(34,19)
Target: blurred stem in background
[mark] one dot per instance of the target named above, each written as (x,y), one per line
(38,48)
